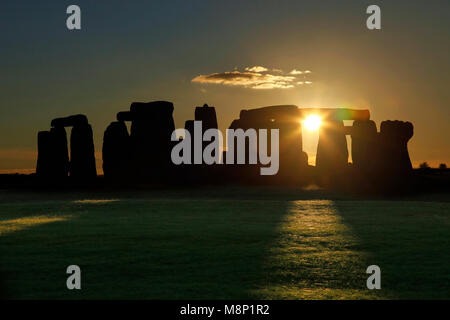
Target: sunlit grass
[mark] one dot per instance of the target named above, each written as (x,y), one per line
(314,257)
(242,243)
(13,225)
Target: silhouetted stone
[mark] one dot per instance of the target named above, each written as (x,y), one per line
(124,116)
(365,146)
(82,153)
(394,156)
(336,114)
(53,159)
(285,118)
(45,159)
(116,150)
(151,131)
(207,115)
(70,121)
(332,152)
(189,127)
(60,151)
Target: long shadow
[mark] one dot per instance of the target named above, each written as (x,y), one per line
(262,243)
(198,248)
(408,240)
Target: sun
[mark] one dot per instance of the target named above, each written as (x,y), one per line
(312,122)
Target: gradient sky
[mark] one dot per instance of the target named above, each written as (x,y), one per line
(152,50)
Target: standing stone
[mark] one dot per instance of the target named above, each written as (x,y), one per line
(116,150)
(44,160)
(285,118)
(207,115)
(394,137)
(60,151)
(332,152)
(82,153)
(365,146)
(53,158)
(189,127)
(151,144)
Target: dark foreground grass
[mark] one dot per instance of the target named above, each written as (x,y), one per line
(227,244)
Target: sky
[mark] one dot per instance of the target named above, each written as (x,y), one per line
(230,54)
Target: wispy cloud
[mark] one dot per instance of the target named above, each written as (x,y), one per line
(256,69)
(256,77)
(296,72)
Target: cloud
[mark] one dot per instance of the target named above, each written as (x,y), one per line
(298,72)
(256,69)
(255,77)
(247,79)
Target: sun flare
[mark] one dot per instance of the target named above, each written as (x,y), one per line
(313,122)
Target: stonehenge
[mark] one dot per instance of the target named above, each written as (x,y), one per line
(143,153)
(53,157)
(332,150)
(285,118)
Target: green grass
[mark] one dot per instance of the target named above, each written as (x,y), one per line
(226,243)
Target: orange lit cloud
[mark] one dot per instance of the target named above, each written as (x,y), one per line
(256,69)
(255,77)
(298,72)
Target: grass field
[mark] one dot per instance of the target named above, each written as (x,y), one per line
(226,243)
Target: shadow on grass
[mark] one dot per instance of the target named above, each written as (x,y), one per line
(408,240)
(246,246)
(140,249)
